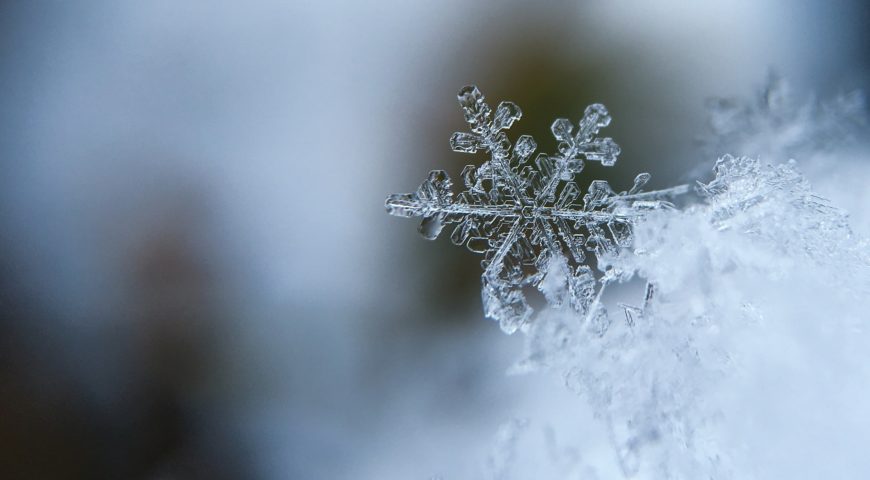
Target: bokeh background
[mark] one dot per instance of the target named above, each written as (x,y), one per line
(198,276)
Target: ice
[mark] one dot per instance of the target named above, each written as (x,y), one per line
(746,357)
(520,216)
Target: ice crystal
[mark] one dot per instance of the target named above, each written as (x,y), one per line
(528,217)
(829,136)
(755,291)
(761,254)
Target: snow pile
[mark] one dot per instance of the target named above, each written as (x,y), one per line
(748,355)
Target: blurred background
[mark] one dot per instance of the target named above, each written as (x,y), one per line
(198,276)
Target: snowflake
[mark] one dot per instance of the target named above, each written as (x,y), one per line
(526,217)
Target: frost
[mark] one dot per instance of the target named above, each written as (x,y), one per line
(504,451)
(724,271)
(778,124)
(527,215)
(749,352)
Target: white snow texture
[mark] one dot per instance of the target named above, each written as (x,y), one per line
(749,356)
